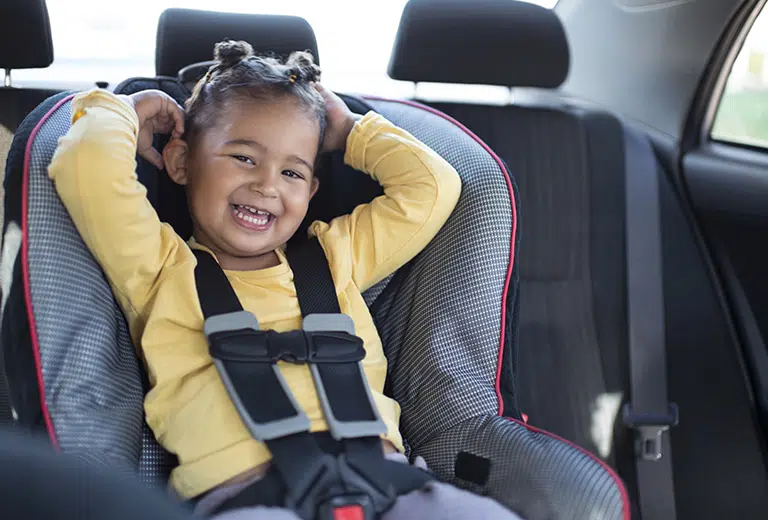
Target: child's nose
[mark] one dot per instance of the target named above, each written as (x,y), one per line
(265,183)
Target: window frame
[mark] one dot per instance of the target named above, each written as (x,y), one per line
(719,90)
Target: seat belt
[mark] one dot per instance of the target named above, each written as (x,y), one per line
(311,474)
(649,413)
(6,411)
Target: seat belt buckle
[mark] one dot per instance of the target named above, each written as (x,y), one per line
(333,490)
(245,326)
(649,428)
(352,507)
(372,425)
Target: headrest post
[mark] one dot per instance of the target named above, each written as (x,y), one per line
(7,80)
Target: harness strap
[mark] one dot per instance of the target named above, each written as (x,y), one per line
(345,411)
(294,454)
(313,279)
(270,491)
(303,477)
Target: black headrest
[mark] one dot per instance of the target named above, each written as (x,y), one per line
(484,42)
(186,36)
(25,35)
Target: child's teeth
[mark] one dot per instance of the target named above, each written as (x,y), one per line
(260,219)
(255,211)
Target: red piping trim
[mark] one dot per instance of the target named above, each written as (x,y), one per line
(25,270)
(507,177)
(606,467)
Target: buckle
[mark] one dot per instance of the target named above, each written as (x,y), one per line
(326,340)
(332,489)
(649,428)
(374,427)
(236,337)
(353,507)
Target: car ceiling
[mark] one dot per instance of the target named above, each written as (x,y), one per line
(649,58)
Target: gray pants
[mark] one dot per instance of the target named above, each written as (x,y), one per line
(436,500)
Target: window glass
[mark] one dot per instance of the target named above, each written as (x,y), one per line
(742,116)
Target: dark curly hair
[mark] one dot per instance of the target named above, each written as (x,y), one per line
(238,74)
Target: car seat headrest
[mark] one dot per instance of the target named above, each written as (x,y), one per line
(25,35)
(186,36)
(484,42)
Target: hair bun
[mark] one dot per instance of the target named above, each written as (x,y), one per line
(230,52)
(302,65)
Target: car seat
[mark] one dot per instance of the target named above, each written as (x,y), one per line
(21,21)
(447,320)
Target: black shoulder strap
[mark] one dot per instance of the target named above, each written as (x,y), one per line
(312,277)
(215,292)
(295,456)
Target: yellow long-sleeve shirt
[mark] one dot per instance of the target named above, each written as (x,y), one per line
(151,270)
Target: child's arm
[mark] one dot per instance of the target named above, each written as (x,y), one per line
(94,170)
(420,191)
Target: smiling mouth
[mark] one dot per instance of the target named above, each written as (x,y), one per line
(251,217)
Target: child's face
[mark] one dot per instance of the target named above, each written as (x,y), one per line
(250,177)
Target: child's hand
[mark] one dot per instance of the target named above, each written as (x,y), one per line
(158,114)
(340,120)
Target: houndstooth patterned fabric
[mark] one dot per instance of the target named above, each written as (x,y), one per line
(92,378)
(453,294)
(440,324)
(531,472)
(441,331)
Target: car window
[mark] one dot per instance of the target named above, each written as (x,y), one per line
(96,41)
(742,116)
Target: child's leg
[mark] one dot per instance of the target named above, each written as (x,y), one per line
(446,502)
(217,497)
(257,513)
(438,500)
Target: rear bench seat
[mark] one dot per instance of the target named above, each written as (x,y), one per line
(568,162)
(25,43)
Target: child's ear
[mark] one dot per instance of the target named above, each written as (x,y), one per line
(175,156)
(315,186)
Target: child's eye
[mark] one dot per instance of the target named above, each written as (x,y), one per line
(243,158)
(292,174)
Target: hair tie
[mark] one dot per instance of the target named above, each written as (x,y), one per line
(292,78)
(207,77)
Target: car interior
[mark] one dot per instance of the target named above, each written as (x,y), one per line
(634,137)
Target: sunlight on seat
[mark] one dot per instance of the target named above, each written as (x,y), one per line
(11,248)
(6,136)
(604,412)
